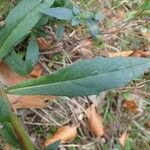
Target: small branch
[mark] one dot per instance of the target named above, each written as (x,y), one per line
(17,125)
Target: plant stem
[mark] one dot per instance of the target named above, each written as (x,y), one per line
(21,133)
(17,125)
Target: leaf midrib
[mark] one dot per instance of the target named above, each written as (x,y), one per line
(55,83)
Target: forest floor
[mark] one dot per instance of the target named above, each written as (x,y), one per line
(125,111)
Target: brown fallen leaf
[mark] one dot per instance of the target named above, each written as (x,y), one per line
(86,43)
(2,23)
(37,71)
(9,77)
(7,147)
(64,134)
(83,50)
(147,124)
(29,101)
(95,121)
(147,35)
(43,43)
(120,53)
(123,138)
(131,106)
(135,53)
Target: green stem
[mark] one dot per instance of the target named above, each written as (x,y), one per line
(17,126)
(21,133)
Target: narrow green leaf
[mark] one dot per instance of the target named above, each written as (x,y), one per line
(19,23)
(4,110)
(145,5)
(15,62)
(53,146)
(59,13)
(86,77)
(10,135)
(32,54)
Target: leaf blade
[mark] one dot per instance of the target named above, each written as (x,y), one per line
(14,61)
(4,111)
(32,54)
(59,13)
(10,135)
(19,23)
(85,77)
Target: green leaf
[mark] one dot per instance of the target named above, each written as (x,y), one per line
(10,135)
(32,54)
(19,23)
(59,13)
(4,110)
(94,28)
(86,77)
(4,6)
(145,5)
(15,62)
(53,146)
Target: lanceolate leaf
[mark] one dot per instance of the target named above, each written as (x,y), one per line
(16,63)
(85,77)
(10,135)
(4,110)
(19,23)
(32,54)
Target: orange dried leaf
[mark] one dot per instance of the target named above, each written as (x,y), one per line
(123,139)
(9,77)
(86,43)
(37,71)
(120,53)
(147,124)
(95,121)
(29,101)
(64,134)
(131,106)
(147,36)
(43,43)
(7,147)
(135,53)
